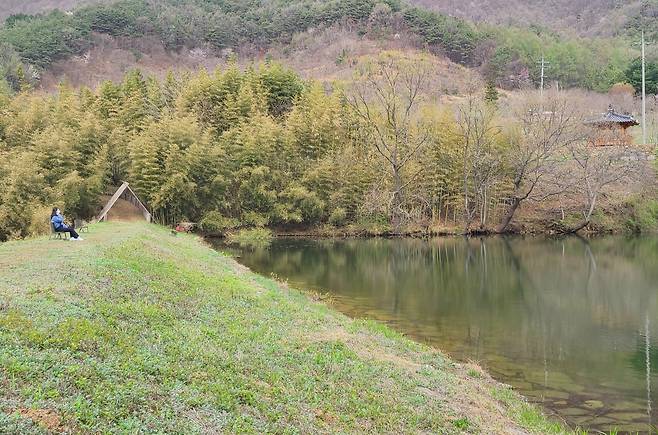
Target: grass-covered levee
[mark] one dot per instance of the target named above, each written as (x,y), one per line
(137,331)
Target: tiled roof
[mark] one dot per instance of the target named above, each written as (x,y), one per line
(612,117)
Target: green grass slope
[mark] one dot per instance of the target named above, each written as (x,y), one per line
(137,331)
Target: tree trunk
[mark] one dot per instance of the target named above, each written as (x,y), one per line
(578,227)
(588,216)
(507,219)
(396,205)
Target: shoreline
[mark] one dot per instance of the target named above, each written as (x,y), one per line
(136,296)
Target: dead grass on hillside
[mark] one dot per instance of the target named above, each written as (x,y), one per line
(322,54)
(580,17)
(110,59)
(470,396)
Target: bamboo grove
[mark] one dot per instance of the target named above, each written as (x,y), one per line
(259,146)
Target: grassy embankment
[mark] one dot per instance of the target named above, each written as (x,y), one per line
(136,331)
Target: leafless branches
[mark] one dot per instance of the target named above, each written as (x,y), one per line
(386,96)
(595,168)
(546,129)
(481,159)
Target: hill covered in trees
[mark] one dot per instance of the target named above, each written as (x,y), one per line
(32,7)
(262,147)
(504,55)
(583,17)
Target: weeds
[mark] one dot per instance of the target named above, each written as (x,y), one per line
(251,237)
(461,423)
(474,373)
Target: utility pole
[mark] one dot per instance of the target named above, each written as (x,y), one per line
(644,96)
(543,64)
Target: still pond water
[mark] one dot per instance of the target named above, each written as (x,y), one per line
(571,324)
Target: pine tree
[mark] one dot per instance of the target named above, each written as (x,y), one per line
(491,93)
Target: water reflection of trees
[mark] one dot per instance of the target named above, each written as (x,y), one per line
(568,305)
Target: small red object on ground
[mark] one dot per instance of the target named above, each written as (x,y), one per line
(185,227)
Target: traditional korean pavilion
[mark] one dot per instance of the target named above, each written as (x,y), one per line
(611,129)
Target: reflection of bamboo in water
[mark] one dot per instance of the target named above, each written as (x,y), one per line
(484,255)
(483,262)
(543,327)
(647,349)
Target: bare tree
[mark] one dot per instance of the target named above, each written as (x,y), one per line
(386,95)
(546,128)
(481,163)
(596,168)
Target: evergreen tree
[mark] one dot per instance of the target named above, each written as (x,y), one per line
(634,76)
(491,93)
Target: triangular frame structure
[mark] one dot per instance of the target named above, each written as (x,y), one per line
(125,192)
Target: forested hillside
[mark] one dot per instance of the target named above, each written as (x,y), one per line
(257,144)
(14,7)
(506,56)
(261,147)
(584,17)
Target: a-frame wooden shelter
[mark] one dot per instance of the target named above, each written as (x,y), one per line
(124,192)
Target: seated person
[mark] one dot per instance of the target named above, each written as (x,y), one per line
(57,220)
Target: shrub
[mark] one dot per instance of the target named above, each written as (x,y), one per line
(251,237)
(338,217)
(44,39)
(643,216)
(120,19)
(214,223)
(39,221)
(255,218)
(455,37)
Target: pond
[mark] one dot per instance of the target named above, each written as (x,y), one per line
(571,324)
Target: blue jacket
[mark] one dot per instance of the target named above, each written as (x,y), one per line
(57,221)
